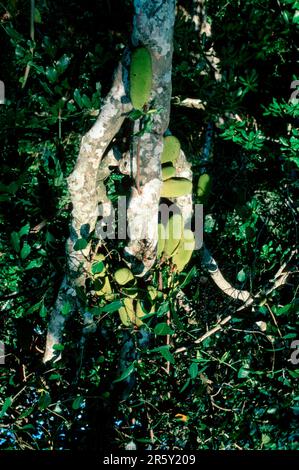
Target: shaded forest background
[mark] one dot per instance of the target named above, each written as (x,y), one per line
(238,389)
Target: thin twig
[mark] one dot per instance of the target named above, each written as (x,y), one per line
(274,319)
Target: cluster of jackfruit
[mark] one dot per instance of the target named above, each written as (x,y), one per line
(131,312)
(175,242)
(172,186)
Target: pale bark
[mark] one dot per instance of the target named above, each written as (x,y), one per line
(86,194)
(153,28)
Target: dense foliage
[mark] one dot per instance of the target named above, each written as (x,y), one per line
(238,388)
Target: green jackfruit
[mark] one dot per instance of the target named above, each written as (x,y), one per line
(173,234)
(176,187)
(127,313)
(161,240)
(123,276)
(204,187)
(184,251)
(171,149)
(140,77)
(168,171)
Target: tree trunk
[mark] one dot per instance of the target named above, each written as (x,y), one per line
(152,28)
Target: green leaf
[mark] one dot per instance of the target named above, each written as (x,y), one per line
(58,347)
(43,311)
(243,372)
(241,276)
(77,98)
(26,412)
(25,251)
(36,263)
(162,329)
(86,101)
(7,403)
(112,307)
(135,114)
(191,274)
(193,370)
(279,311)
(296,17)
(266,439)
(27,427)
(126,373)
(24,230)
(80,244)
(66,308)
(63,63)
(163,309)
(97,267)
(15,241)
(51,74)
(44,400)
(186,384)
(77,403)
(55,376)
(165,353)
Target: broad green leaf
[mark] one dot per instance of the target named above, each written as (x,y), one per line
(266,439)
(66,308)
(7,403)
(163,309)
(193,370)
(86,101)
(112,307)
(36,263)
(15,241)
(243,372)
(164,351)
(135,114)
(162,329)
(51,74)
(44,400)
(97,267)
(43,311)
(241,276)
(77,98)
(24,230)
(25,251)
(58,347)
(80,244)
(279,311)
(63,63)
(77,403)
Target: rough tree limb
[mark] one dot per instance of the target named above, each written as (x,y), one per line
(84,194)
(152,28)
(210,264)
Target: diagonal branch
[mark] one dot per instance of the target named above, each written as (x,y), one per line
(84,194)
